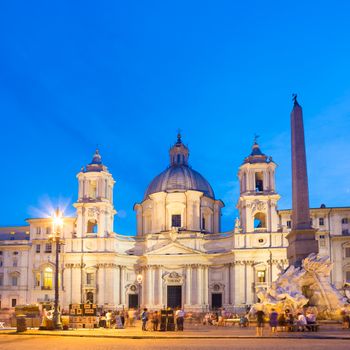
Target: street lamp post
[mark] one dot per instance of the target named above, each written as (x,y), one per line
(57,225)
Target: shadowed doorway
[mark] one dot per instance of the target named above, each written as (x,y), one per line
(174,296)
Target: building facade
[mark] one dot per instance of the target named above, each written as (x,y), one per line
(179,256)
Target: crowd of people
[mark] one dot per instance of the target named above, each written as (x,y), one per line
(150,320)
(285,321)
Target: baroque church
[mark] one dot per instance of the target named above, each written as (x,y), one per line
(179,256)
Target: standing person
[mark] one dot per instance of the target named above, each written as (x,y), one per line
(259,322)
(144,319)
(108,318)
(155,320)
(131,317)
(273,321)
(180,316)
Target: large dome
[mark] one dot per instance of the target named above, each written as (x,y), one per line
(179,177)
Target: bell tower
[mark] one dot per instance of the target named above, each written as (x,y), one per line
(95,211)
(258,199)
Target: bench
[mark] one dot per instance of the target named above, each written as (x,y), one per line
(232,321)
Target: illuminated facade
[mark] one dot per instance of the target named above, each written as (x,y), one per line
(179,255)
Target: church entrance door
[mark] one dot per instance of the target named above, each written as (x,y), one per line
(133,301)
(174,296)
(216,300)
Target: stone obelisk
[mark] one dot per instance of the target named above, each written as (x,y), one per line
(301,239)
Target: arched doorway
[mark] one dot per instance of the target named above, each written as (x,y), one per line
(90,297)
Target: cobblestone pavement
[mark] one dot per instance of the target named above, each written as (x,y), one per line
(23,342)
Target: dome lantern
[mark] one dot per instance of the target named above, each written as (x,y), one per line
(178,153)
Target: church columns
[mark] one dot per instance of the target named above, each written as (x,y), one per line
(76,284)
(188,284)
(116,285)
(199,284)
(249,271)
(160,286)
(122,285)
(100,284)
(206,285)
(226,300)
(232,295)
(68,280)
(149,286)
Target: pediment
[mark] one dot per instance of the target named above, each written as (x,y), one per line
(173,249)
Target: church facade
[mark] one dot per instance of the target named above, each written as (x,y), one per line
(179,256)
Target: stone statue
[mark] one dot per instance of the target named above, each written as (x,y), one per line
(309,285)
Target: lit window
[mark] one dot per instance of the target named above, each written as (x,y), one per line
(47,278)
(48,248)
(37,248)
(321,221)
(176,220)
(261,276)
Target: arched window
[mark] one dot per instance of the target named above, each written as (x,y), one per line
(259,183)
(93,189)
(90,297)
(47,278)
(259,220)
(92,226)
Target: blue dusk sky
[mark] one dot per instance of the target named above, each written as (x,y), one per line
(127,74)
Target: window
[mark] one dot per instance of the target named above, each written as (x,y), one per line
(48,248)
(47,280)
(322,236)
(344,221)
(176,220)
(13,302)
(38,230)
(1,279)
(345,232)
(14,281)
(37,248)
(321,221)
(0,252)
(261,276)
(48,230)
(92,226)
(15,263)
(347,252)
(347,276)
(259,184)
(93,189)
(203,223)
(289,223)
(259,220)
(89,278)
(1,263)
